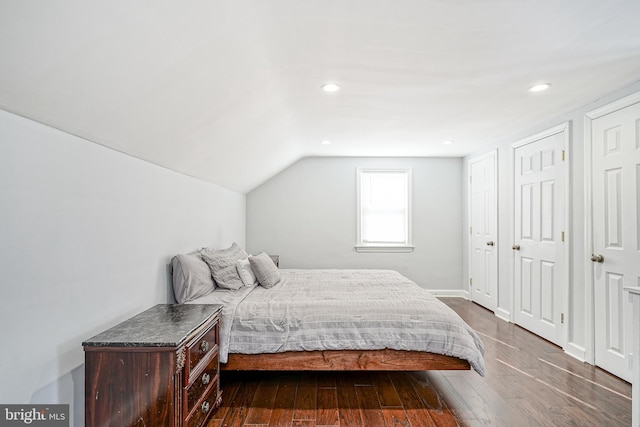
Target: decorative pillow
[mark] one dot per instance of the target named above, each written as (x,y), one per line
(222,264)
(220,252)
(246,273)
(191,277)
(267,273)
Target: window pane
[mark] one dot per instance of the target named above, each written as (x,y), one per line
(381,227)
(387,191)
(384,207)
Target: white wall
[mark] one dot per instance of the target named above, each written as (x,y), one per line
(86,234)
(307,215)
(576,229)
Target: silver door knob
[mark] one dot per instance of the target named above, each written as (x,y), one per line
(597,258)
(515,247)
(206,378)
(490,243)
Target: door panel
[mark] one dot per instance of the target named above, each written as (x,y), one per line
(615,187)
(547,279)
(539,209)
(526,294)
(615,317)
(483,221)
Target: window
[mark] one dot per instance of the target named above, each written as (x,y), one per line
(384,210)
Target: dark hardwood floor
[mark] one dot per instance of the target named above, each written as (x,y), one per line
(529,382)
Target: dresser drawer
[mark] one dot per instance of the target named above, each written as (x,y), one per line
(206,378)
(208,406)
(202,347)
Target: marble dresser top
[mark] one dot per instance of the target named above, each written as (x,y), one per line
(164,325)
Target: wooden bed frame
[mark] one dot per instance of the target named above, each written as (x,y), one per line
(344,360)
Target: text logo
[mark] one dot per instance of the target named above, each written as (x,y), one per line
(35,415)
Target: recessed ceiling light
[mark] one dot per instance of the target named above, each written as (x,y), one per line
(325,142)
(447,142)
(539,87)
(330,87)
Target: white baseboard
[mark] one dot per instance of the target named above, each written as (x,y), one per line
(576,351)
(503,314)
(457,293)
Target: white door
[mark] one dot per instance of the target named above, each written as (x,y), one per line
(616,234)
(540,259)
(483,221)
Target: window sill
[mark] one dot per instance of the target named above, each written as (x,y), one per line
(384,248)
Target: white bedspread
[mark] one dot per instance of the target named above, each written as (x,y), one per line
(341,310)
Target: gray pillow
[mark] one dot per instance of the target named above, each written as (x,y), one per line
(265,270)
(191,277)
(222,264)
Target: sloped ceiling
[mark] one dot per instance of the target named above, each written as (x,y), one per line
(229,91)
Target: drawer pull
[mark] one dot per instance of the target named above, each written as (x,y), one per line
(206,378)
(205,407)
(204,346)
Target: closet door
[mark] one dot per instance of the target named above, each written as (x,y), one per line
(540,259)
(615,177)
(483,230)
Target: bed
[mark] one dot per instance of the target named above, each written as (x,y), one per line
(341,320)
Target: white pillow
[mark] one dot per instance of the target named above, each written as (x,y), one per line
(246,273)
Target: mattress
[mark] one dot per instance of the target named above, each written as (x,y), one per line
(341,310)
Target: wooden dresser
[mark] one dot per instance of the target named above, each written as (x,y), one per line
(159,368)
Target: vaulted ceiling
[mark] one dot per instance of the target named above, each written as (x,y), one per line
(229,91)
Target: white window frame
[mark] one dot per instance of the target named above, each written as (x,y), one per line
(361,246)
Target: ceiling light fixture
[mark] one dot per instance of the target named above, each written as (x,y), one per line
(326,142)
(330,87)
(539,87)
(447,142)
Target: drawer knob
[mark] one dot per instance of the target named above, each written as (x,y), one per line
(204,346)
(205,407)
(206,378)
